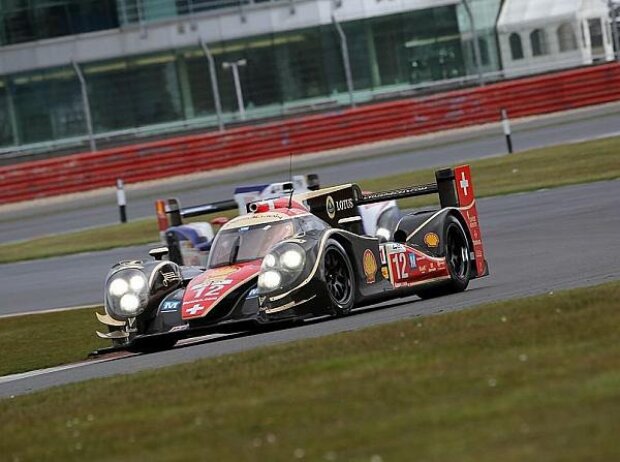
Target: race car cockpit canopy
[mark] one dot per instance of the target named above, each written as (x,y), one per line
(250,237)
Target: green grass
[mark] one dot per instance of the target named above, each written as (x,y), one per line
(101,238)
(47,339)
(137,232)
(534,379)
(527,171)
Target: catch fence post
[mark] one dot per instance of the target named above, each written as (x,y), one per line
(121,199)
(507,130)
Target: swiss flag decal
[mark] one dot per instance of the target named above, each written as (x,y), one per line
(464,185)
(465,193)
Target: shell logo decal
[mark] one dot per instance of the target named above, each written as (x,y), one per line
(370,266)
(330,207)
(431,240)
(221,273)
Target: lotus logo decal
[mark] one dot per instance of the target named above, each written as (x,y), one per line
(330,207)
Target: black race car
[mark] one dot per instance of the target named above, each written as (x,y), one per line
(298,257)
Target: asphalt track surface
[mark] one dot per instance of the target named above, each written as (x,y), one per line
(536,243)
(444,149)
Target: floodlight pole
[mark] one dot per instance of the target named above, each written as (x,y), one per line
(234,65)
(474,34)
(214,84)
(345,58)
(86,104)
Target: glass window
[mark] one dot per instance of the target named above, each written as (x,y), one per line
(566,37)
(538,39)
(233,52)
(248,243)
(261,79)
(433,41)
(484,51)
(596,35)
(126,94)
(299,59)
(6,128)
(389,50)
(48,105)
(23,20)
(357,43)
(199,83)
(516,47)
(332,60)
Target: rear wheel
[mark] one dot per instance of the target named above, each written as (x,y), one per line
(339,279)
(458,262)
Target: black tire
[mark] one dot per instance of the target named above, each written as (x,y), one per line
(339,279)
(457,250)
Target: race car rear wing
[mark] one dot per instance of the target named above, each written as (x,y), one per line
(341,203)
(243,196)
(445,187)
(176,213)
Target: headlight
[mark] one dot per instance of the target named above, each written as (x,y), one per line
(281,267)
(118,287)
(127,293)
(129,303)
(292,259)
(270,261)
(137,283)
(269,280)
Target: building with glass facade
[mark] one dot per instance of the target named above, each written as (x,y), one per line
(145,70)
(553,34)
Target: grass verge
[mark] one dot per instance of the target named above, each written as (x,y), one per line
(48,339)
(532,379)
(527,171)
(540,168)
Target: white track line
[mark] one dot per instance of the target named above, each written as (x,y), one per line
(51,310)
(25,375)
(51,370)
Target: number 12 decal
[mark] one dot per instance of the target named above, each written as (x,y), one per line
(399,261)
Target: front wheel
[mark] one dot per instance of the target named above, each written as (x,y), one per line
(339,279)
(458,262)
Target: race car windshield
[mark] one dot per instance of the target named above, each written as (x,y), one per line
(248,243)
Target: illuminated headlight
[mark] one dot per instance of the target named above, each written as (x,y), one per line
(269,280)
(292,259)
(118,287)
(127,293)
(137,283)
(384,233)
(270,261)
(281,267)
(129,303)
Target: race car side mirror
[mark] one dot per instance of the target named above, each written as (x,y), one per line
(158,253)
(219,221)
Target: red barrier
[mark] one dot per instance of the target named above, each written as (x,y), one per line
(382,121)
